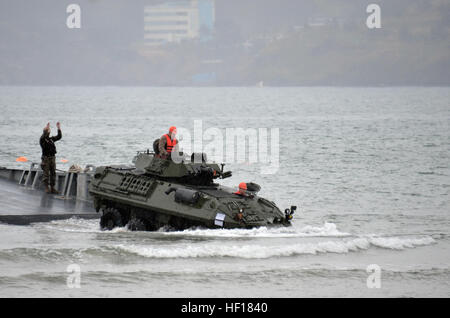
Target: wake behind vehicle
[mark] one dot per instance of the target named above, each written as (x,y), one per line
(157,192)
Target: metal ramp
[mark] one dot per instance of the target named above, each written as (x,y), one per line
(67,186)
(20,206)
(31,177)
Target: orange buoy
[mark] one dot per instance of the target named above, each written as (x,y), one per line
(64,160)
(22,159)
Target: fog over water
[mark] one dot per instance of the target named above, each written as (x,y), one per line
(231,43)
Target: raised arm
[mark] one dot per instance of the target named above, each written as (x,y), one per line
(59,136)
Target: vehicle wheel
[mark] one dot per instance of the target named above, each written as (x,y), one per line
(136,224)
(110,219)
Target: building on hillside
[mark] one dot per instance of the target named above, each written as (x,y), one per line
(174,21)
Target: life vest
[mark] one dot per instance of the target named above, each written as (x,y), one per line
(170,144)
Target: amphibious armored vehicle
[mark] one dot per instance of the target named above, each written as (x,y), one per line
(157,192)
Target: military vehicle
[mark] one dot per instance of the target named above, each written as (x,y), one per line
(156,192)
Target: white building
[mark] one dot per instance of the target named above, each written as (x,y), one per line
(171,22)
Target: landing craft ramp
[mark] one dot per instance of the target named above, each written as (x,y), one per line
(23,201)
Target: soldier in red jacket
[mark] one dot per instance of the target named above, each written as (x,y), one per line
(168,143)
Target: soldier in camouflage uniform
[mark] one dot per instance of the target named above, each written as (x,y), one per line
(48,163)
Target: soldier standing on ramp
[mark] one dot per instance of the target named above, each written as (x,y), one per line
(48,163)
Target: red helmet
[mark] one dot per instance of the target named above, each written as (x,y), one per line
(171,129)
(243,186)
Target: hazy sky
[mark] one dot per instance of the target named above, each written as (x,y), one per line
(278,42)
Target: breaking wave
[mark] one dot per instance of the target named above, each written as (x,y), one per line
(77,225)
(196,243)
(261,251)
(214,249)
(328,229)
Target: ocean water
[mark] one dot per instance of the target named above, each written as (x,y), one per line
(369,169)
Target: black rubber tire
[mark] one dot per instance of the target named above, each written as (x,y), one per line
(136,224)
(110,219)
